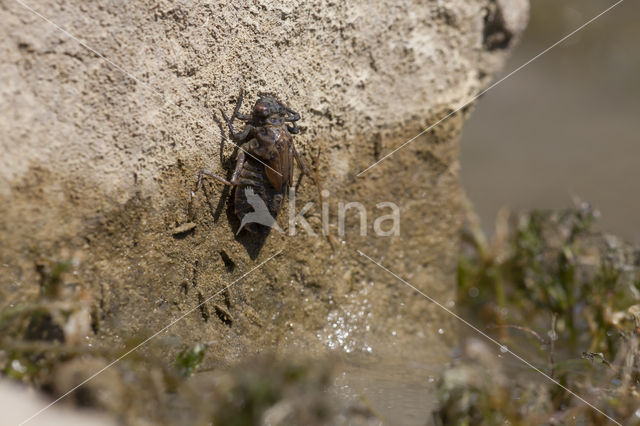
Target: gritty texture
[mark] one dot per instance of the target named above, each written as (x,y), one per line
(97,164)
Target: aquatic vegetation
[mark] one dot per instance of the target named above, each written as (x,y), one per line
(188,360)
(564,297)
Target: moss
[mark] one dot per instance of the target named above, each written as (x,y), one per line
(188,360)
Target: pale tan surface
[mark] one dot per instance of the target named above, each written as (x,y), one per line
(98,169)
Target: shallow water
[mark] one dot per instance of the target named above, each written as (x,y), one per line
(566,125)
(399,389)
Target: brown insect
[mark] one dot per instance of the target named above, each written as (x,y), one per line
(264,167)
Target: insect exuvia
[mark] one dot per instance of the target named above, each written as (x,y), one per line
(264,167)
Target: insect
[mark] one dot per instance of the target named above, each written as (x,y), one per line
(264,166)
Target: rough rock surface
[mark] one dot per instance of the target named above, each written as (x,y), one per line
(101,147)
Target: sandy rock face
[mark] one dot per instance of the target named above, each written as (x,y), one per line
(104,133)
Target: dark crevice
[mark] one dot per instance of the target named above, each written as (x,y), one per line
(496,35)
(229,264)
(377,146)
(223,315)
(204,312)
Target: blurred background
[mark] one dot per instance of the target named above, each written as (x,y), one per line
(566,125)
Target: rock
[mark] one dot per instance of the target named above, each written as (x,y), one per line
(183,229)
(102,146)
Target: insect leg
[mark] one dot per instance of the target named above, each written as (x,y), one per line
(251,182)
(238,137)
(236,174)
(301,164)
(239,165)
(242,175)
(205,172)
(236,110)
(294,117)
(250,174)
(229,123)
(236,113)
(244,135)
(241,171)
(294,130)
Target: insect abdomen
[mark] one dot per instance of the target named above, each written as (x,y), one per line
(262,188)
